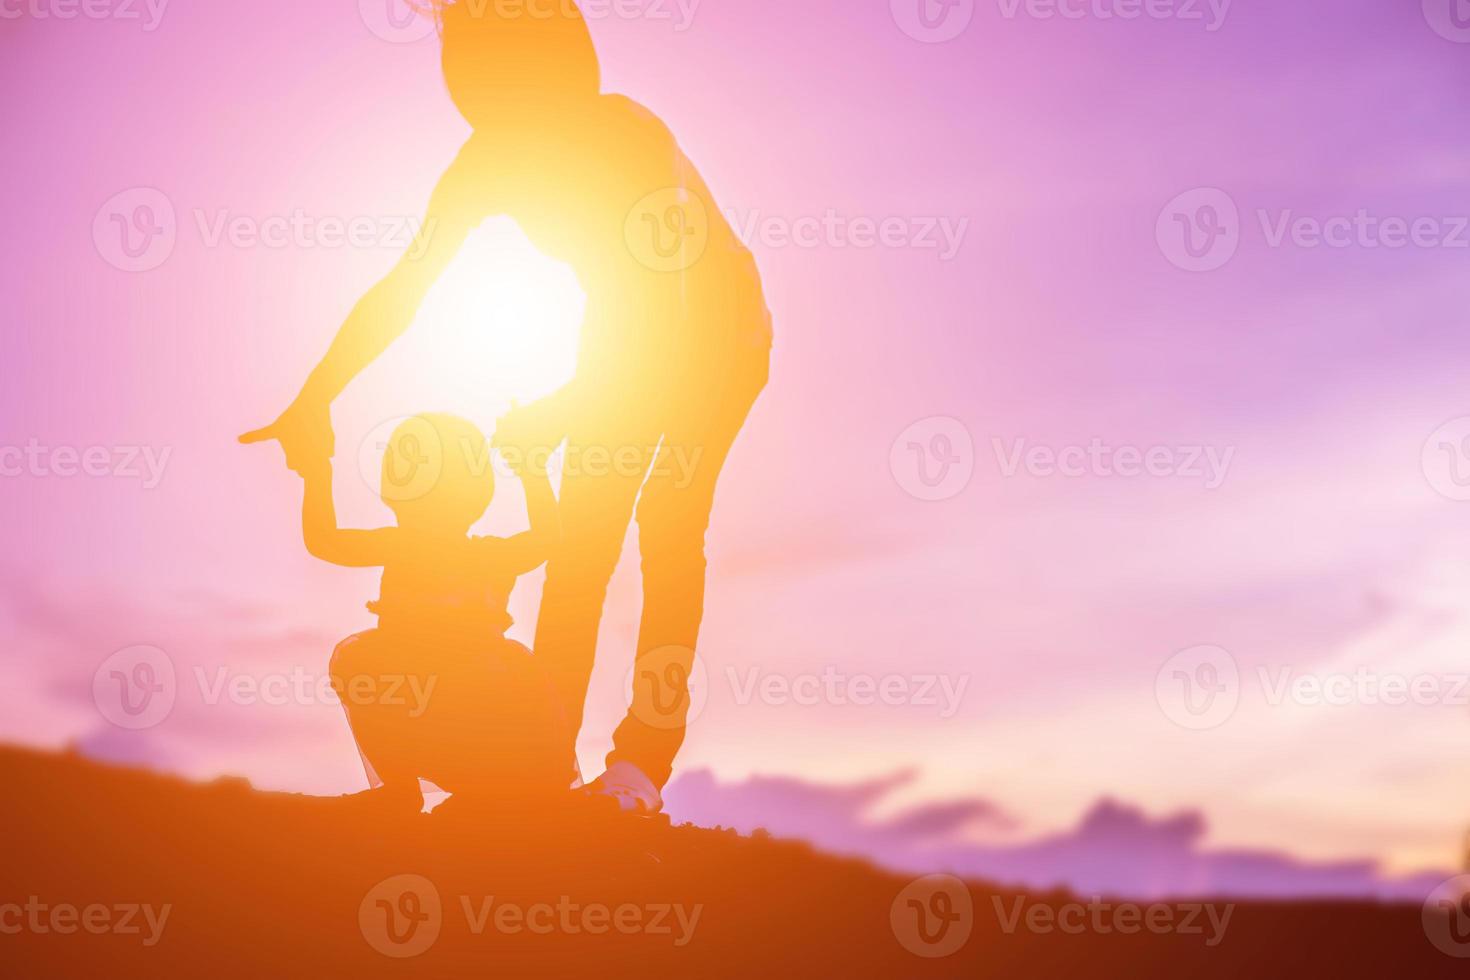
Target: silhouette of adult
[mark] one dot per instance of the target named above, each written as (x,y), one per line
(675,346)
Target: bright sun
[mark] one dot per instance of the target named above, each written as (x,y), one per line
(502,322)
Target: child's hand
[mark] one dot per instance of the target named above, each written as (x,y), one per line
(314,468)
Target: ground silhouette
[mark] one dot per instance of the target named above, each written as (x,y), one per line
(262,884)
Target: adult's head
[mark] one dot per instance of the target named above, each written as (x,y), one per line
(509,60)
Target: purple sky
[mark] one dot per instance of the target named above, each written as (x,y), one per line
(1325,543)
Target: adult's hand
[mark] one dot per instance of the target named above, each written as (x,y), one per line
(530,433)
(304,431)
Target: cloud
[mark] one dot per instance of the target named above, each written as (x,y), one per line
(1116,849)
(116,745)
(939,821)
(289,737)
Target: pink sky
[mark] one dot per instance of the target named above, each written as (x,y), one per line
(1051,602)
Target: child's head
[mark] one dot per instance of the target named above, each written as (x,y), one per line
(437,474)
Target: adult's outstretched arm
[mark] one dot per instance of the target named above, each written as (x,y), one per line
(382,315)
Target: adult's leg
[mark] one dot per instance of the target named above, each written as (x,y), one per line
(596,506)
(673,516)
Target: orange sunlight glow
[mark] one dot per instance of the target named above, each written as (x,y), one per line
(506,311)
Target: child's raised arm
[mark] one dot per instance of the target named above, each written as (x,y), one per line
(531,549)
(324,539)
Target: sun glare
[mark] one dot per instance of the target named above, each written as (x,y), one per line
(502,324)
(504,319)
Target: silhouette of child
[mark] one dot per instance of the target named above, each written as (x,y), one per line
(437,689)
